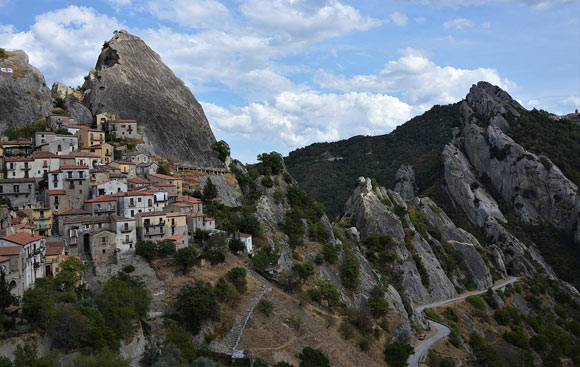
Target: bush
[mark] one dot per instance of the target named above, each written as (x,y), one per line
(223,150)
(432,314)
(477,302)
(186,257)
(396,354)
(235,245)
(377,303)
(349,270)
(266,307)
(272,163)
(128,269)
(346,330)
(210,191)
(197,304)
(267,181)
(516,337)
(311,357)
(237,276)
(146,249)
(303,271)
(502,317)
(226,292)
(451,314)
(330,253)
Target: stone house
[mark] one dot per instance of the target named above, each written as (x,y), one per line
(194,222)
(127,168)
(130,204)
(41,216)
(177,224)
(102,248)
(104,151)
(74,181)
(84,158)
(137,183)
(60,216)
(47,141)
(108,187)
(20,167)
(151,226)
(90,137)
(53,256)
(145,169)
(16,148)
(126,231)
(180,240)
(208,224)
(157,178)
(29,260)
(76,232)
(139,158)
(44,162)
(22,192)
(102,205)
(102,118)
(121,129)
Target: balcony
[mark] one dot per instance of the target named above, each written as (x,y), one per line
(154,231)
(160,224)
(71,178)
(126,230)
(26,168)
(105,210)
(127,242)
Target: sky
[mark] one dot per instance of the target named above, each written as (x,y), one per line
(276,75)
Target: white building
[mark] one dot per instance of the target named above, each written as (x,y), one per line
(129,204)
(55,143)
(108,187)
(30,258)
(126,231)
(247,241)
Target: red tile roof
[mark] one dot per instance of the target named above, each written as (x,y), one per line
(207,219)
(22,238)
(4,259)
(176,236)
(124,162)
(71,211)
(137,181)
(151,214)
(10,250)
(101,199)
(19,159)
(55,243)
(54,251)
(55,171)
(164,184)
(40,155)
(55,192)
(245,235)
(189,199)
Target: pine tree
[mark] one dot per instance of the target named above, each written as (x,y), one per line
(5,296)
(209,191)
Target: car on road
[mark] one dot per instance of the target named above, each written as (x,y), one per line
(422,336)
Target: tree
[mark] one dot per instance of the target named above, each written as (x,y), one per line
(217,243)
(170,357)
(38,304)
(165,248)
(146,249)
(70,269)
(181,338)
(197,304)
(311,357)
(250,224)
(237,276)
(26,355)
(210,191)
(223,150)
(266,307)
(349,270)
(226,292)
(304,271)
(119,307)
(271,162)
(396,354)
(329,293)
(204,362)
(99,336)
(186,257)
(68,328)
(236,245)
(377,303)
(5,295)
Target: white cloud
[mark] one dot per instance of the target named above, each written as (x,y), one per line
(458,24)
(540,5)
(311,21)
(49,40)
(296,119)
(399,19)
(420,20)
(118,3)
(572,101)
(420,81)
(192,14)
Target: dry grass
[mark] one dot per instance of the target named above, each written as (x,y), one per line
(231,180)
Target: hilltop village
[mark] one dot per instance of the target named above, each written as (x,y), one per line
(83,191)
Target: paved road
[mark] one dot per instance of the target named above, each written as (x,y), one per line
(443,331)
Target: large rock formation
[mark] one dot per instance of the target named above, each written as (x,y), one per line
(405,184)
(24,96)
(131,81)
(77,111)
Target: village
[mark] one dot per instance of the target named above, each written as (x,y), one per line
(84,191)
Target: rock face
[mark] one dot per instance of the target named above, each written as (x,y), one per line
(77,111)
(131,81)
(228,195)
(406,185)
(61,90)
(24,96)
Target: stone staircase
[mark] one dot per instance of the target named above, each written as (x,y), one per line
(229,343)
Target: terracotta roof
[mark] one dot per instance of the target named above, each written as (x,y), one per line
(181,204)
(55,171)
(96,131)
(138,181)
(84,155)
(144,164)
(196,214)
(164,177)
(119,121)
(73,167)
(87,220)
(164,185)
(123,162)
(207,219)
(22,238)
(19,159)
(54,251)
(71,211)
(245,235)
(151,214)
(176,214)
(132,193)
(10,250)
(189,199)
(176,236)
(16,142)
(100,183)
(39,155)
(54,243)
(4,259)
(101,199)
(55,192)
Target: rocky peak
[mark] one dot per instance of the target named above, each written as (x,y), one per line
(24,97)
(488,99)
(405,184)
(131,81)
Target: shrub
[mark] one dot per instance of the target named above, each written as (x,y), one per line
(396,354)
(235,245)
(226,292)
(186,257)
(266,307)
(377,303)
(210,191)
(272,163)
(311,357)
(502,317)
(223,150)
(346,330)
(432,314)
(303,271)
(490,299)
(330,253)
(146,249)
(267,181)
(451,314)
(237,276)
(477,302)
(128,269)
(196,304)
(517,338)
(349,271)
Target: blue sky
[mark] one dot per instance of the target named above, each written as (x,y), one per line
(275,75)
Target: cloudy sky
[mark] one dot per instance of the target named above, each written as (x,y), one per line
(281,74)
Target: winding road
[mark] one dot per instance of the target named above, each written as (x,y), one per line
(442,331)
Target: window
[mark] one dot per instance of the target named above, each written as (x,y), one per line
(104,250)
(16,188)
(132,213)
(70,174)
(103,240)
(127,238)
(29,187)
(139,199)
(1,189)
(59,148)
(81,174)
(71,185)
(150,202)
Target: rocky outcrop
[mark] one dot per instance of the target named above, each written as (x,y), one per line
(24,96)
(405,184)
(77,111)
(131,81)
(61,90)
(229,195)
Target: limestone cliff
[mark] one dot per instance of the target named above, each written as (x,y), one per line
(24,96)
(131,81)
